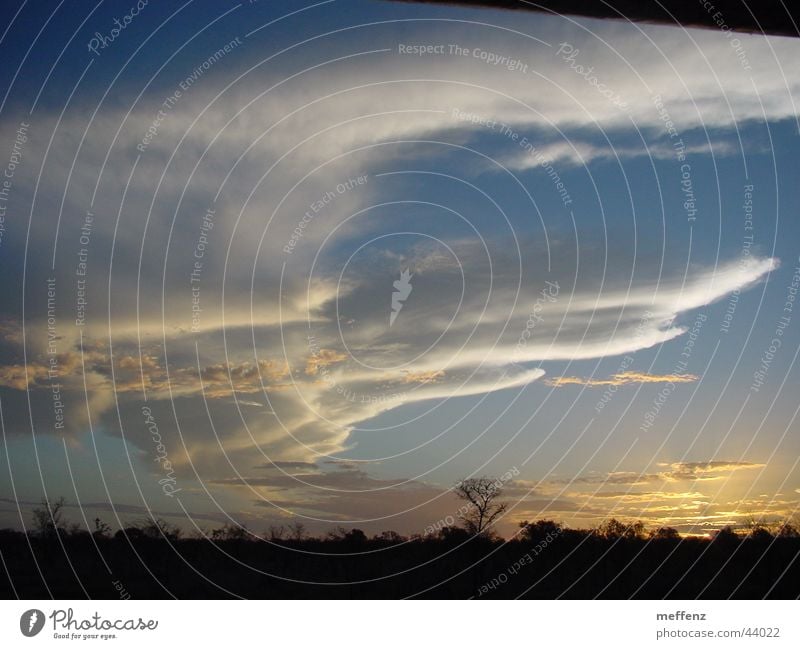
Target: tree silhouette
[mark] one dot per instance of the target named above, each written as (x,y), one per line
(101,530)
(47,519)
(155,528)
(355,537)
(539,530)
(336,534)
(297,531)
(481,494)
(230,532)
(726,536)
(758,529)
(788,530)
(759,559)
(452,535)
(615,529)
(665,534)
(390,536)
(276,533)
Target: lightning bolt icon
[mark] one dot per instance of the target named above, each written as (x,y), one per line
(403,290)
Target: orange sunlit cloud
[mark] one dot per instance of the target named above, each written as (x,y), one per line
(623,378)
(323,358)
(430,376)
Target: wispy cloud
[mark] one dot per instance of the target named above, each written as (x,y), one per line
(430,376)
(622,378)
(322,359)
(713,470)
(579,153)
(672,472)
(255,317)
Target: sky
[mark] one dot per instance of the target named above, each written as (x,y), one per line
(269,262)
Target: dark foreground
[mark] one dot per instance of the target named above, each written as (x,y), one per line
(545,563)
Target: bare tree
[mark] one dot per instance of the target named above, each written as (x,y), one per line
(484,510)
(276,533)
(47,519)
(337,534)
(297,531)
(759,528)
(616,529)
(158,528)
(390,536)
(230,532)
(789,529)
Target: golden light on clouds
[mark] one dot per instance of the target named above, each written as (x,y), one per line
(323,358)
(690,496)
(430,376)
(623,378)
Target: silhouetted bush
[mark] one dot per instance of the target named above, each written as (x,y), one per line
(536,532)
(614,529)
(665,534)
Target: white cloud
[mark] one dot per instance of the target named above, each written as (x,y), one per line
(299,133)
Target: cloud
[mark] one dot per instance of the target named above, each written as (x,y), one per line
(430,376)
(135,373)
(315,400)
(657,498)
(714,470)
(623,378)
(348,495)
(673,472)
(142,513)
(19,377)
(322,359)
(465,328)
(288,466)
(693,497)
(578,153)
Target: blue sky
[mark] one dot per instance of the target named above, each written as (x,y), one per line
(591,293)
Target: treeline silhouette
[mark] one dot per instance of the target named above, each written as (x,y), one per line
(545,560)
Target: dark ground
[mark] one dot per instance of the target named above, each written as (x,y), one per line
(572,564)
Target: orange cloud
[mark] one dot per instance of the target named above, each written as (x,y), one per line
(17,377)
(704,471)
(430,376)
(135,373)
(323,358)
(623,378)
